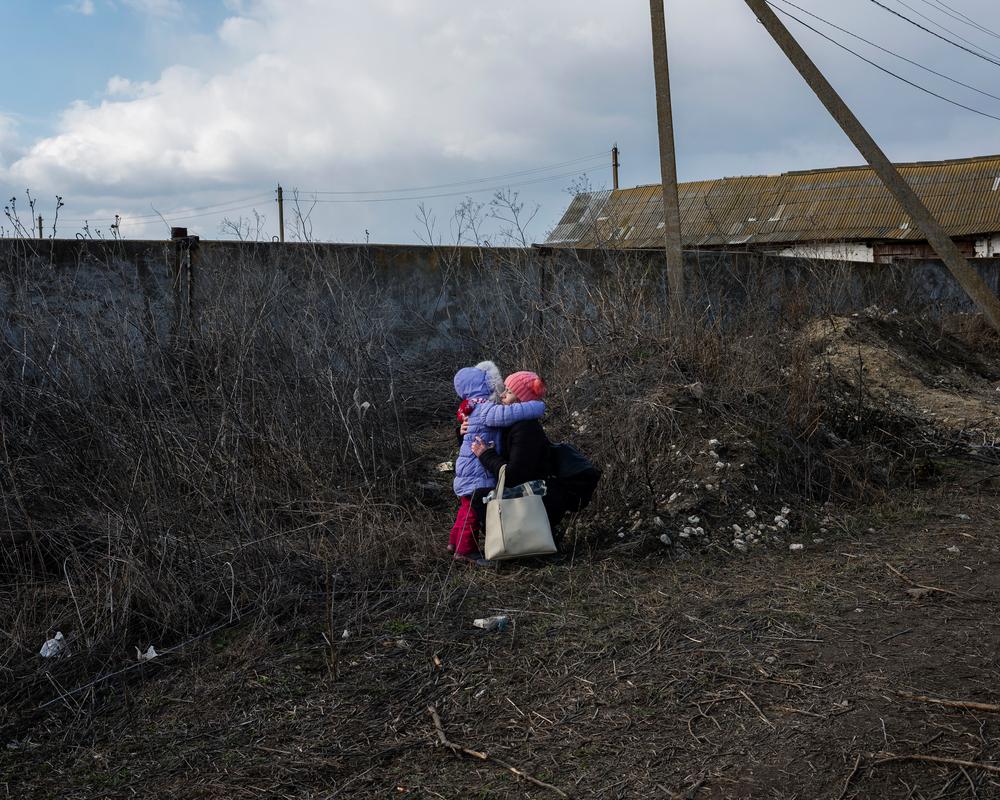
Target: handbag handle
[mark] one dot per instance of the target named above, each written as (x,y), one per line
(501,481)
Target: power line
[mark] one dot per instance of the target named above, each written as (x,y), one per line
(470,181)
(906,5)
(992,61)
(497,188)
(235,204)
(891,52)
(881,68)
(958,16)
(168,214)
(174,218)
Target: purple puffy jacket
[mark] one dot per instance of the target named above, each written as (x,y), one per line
(485,421)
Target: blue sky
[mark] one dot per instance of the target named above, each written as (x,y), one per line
(60,55)
(196,109)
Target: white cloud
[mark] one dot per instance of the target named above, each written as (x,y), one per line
(312,88)
(85,7)
(9,144)
(389,93)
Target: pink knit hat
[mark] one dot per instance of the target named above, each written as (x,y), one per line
(526,386)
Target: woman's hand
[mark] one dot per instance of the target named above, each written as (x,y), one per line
(464,429)
(479,447)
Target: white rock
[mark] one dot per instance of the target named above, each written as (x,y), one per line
(658,522)
(785,511)
(673,497)
(752,514)
(699,531)
(740,545)
(796,547)
(954,549)
(737,529)
(665,539)
(719,465)
(713,443)
(694,520)
(963,516)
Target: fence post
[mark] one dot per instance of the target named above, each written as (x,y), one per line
(281,215)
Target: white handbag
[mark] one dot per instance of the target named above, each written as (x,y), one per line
(517,527)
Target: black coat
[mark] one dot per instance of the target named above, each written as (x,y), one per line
(525,449)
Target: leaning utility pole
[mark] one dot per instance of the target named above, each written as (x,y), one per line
(967,277)
(668,161)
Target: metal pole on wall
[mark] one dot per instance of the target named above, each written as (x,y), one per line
(967,277)
(281,215)
(668,160)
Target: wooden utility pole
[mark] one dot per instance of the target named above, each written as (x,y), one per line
(281,215)
(41,234)
(614,166)
(668,161)
(967,277)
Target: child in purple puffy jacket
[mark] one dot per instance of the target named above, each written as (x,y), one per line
(472,479)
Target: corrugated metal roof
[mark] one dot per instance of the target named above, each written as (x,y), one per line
(827,205)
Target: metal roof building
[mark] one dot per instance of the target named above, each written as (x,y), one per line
(827,213)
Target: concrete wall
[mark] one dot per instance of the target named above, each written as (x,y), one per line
(428,297)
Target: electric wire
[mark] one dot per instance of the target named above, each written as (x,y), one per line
(891,52)
(934,22)
(177,211)
(488,179)
(960,17)
(987,58)
(965,16)
(182,214)
(884,69)
(497,188)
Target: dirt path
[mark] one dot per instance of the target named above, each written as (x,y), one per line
(780,675)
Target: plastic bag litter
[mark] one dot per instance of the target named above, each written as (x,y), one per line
(499,623)
(54,647)
(149,655)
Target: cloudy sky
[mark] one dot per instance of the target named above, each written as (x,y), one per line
(194,110)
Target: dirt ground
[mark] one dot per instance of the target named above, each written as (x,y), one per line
(773,675)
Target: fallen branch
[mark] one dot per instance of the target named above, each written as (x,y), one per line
(458,750)
(850,778)
(968,704)
(954,762)
(756,708)
(921,585)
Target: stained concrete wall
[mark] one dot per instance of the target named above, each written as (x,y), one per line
(429,296)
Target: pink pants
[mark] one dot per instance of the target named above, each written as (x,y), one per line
(463,537)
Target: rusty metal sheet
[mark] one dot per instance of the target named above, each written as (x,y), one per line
(829,205)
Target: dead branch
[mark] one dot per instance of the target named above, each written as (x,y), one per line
(847,783)
(955,762)
(921,585)
(756,708)
(458,750)
(967,704)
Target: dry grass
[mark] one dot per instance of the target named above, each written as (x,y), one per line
(164,486)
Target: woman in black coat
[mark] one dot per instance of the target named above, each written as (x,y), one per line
(524,448)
